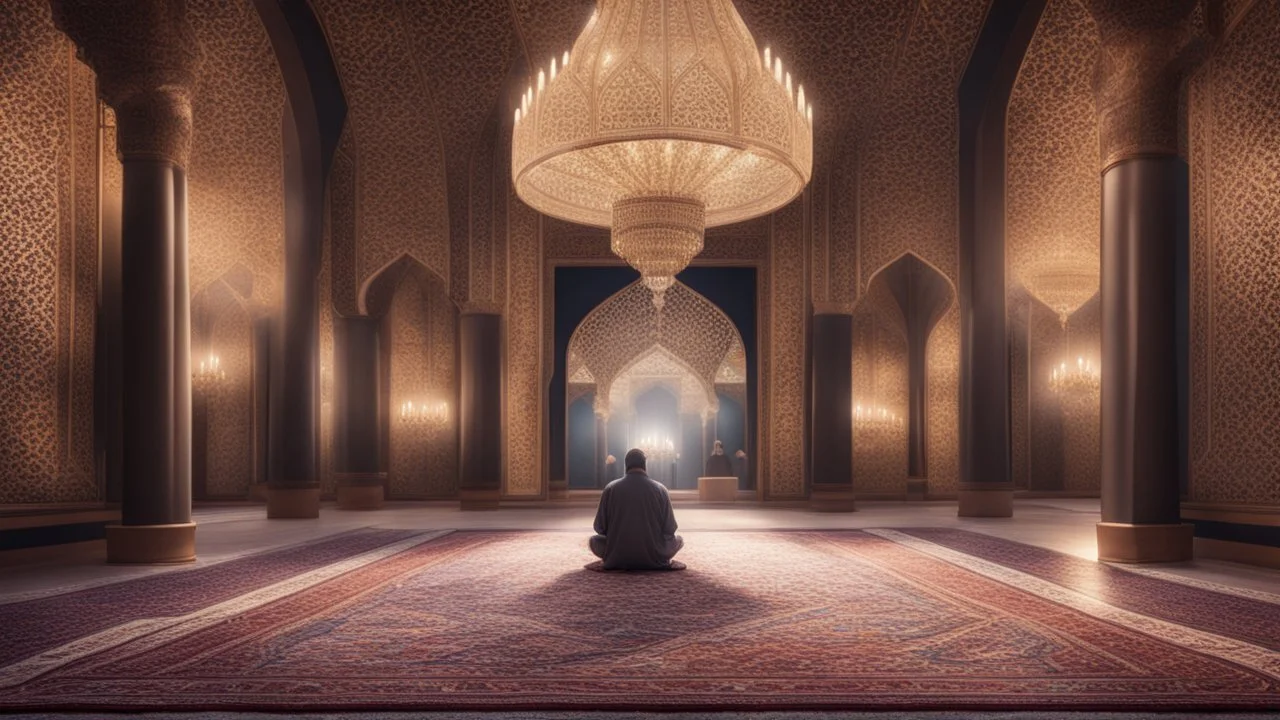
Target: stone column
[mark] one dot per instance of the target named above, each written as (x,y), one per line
(602,447)
(361,481)
(146,59)
(293,489)
(832,439)
(986,472)
(1146,47)
(480,417)
(689,464)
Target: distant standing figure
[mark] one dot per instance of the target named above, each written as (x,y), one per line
(635,525)
(718,464)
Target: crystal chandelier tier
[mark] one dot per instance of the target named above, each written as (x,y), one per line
(662,121)
(1083,378)
(1063,281)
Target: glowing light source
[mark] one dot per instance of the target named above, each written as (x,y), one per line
(430,414)
(208,375)
(630,133)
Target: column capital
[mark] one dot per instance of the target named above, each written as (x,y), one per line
(147,59)
(1146,48)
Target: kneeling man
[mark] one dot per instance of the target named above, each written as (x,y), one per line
(635,526)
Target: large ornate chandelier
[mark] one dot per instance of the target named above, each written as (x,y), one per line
(1063,281)
(662,121)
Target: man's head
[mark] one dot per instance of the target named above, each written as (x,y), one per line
(719,448)
(635,459)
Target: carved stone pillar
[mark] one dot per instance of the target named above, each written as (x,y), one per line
(1146,47)
(146,59)
(361,481)
(480,417)
(832,403)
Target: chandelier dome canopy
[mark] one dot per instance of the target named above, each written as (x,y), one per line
(669,102)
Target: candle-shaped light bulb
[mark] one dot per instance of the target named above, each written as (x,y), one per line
(517,116)
(565,62)
(777,69)
(553,68)
(800,99)
(768,58)
(788,84)
(809,113)
(542,81)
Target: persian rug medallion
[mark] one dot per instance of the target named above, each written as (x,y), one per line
(861,620)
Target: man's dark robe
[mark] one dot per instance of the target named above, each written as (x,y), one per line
(635,525)
(718,465)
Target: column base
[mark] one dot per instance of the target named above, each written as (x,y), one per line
(360,491)
(360,497)
(258,492)
(832,500)
(286,503)
(558,490)
(479,499)
(151,544)
(986,503)
(917,488)
(1130,543)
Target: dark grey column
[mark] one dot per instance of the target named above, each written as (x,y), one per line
(986,478)
(480,417)
(294,486)
(1144,219)
(360,478)
(146,59)
(832,404)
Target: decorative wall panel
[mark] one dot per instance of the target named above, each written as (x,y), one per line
(1019,402)
(328,485)
(48,261)
(401,183)
(419,321)
(880,380)
(785,361)
(229,441)
(944,404)
(342,227)
(1235,315)
(908,172)
(236,177)
(1053,198)
(525,320)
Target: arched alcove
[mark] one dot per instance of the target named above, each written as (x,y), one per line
(225,456)
(893,324)
(417,337)
(624,350)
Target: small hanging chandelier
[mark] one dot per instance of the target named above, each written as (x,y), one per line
(875,418)
(663,121)
(1082,378)
(208,376)
(433,415)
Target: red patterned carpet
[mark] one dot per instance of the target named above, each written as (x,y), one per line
(880,619)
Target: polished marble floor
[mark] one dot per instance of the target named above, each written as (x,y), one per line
(229,531)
